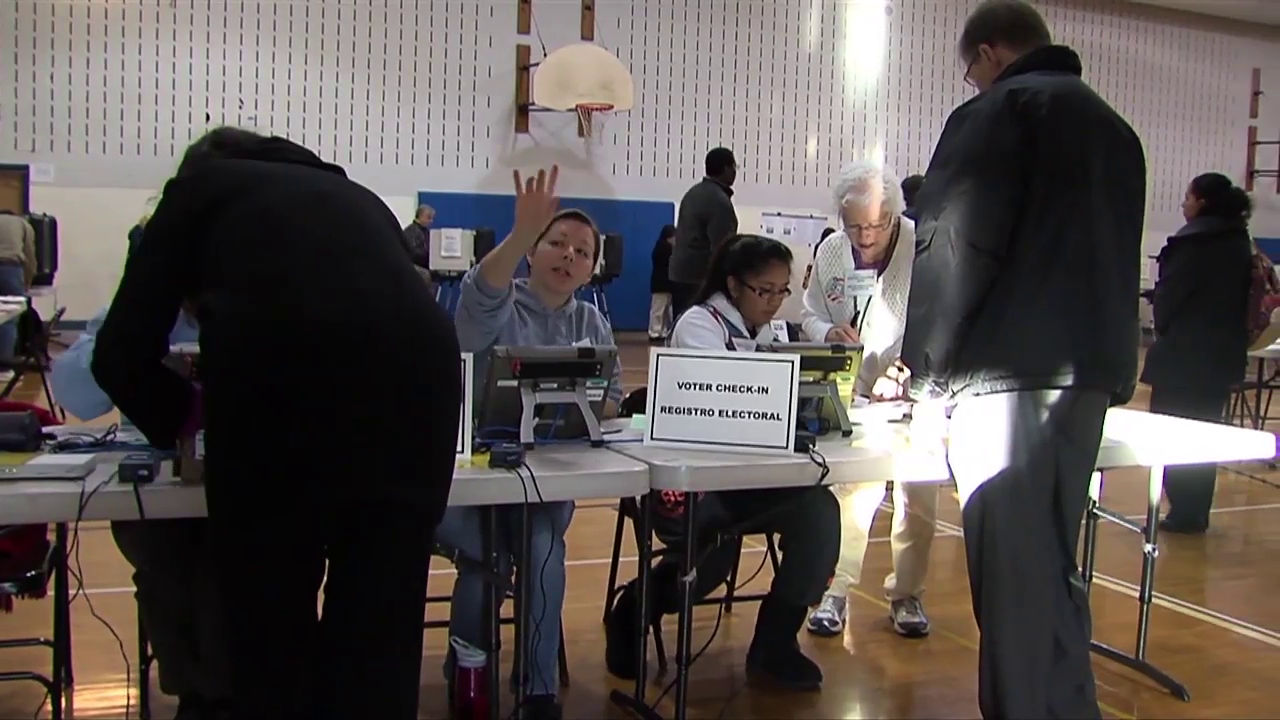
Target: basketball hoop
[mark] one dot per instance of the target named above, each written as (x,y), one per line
(587,113)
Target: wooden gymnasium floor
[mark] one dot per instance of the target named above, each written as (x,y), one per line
(1216,626)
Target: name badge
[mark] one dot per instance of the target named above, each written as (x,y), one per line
(780,331)
(721,400)
(860,284)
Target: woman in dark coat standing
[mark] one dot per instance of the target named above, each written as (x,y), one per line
(660,319)
(297,276)
(1201,327)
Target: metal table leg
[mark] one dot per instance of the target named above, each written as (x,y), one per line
(492,602)
(684,637)
(1150,550)
(524,613)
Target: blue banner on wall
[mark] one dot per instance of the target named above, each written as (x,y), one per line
(637,221)
(1269,247)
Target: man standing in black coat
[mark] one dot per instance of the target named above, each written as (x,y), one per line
(706,219)
(297,276)
(1024,314)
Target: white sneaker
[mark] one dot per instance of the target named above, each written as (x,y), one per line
(908,617)
(827,620)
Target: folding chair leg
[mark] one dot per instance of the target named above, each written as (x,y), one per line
(613,566)
(772,548)
(9,386)
(659,649)
(732,583)
(48,397)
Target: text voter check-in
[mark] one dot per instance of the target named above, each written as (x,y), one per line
(714,400)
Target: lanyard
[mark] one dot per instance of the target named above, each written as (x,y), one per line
(729,329)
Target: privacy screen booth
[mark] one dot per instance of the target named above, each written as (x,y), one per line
(46,227)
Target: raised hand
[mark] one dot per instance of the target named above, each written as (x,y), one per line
(536,203)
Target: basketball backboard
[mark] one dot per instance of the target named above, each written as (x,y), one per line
(582,74)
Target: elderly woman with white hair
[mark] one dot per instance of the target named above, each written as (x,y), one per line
(857,292)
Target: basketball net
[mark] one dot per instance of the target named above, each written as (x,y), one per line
(587,116)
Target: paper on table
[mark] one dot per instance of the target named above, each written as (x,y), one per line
(450,243)
(57,459)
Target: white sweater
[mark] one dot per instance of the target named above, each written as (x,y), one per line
(886,316)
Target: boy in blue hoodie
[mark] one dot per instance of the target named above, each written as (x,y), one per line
(172,566)
(562,249)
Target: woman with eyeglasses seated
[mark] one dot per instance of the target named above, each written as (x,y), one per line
(748,280)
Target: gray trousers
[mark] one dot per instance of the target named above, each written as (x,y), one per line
(180,604)
(1022,463)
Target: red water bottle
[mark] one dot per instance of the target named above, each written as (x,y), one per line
(470,681)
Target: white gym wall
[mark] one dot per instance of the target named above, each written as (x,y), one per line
(102,96)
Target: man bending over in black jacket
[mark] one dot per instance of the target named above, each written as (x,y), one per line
(281,254)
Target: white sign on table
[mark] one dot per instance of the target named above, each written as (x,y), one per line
(464,419)
(721,400)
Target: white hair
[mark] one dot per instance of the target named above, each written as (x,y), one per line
(853,186)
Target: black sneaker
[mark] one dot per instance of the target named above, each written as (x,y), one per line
(541,707)
(783,667)
(774,657)
(191,707)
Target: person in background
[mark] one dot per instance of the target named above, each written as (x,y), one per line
(296,477)
(136,232)
(911,185)
(1264,293)
(1023,322)
(417,236)
(1201,330)
(748,279)
(660,285)
(417,241)
(876,236)
(172,560)
(706,218)
(17,268)
(562,249)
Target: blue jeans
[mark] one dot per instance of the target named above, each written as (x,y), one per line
(461,530)
(13,281)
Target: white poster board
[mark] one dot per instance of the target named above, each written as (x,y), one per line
(451,243)
(721,400)
(793,228)
(464,419)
